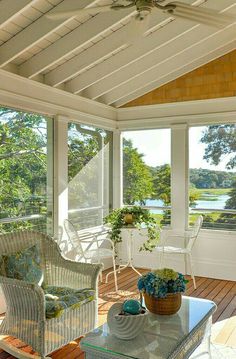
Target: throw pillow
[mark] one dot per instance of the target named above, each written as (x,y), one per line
(23,265)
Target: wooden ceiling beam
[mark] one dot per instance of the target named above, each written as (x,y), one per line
(156,59)
(186,57)
(69,43)
(143,46)
(176,74)
(91,56)
(35,32)
(11,8)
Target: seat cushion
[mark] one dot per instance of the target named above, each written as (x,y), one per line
(23,265)
(60,298)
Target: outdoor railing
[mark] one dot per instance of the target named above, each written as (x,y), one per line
(36,221)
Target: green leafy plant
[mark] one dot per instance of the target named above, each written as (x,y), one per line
(141,217)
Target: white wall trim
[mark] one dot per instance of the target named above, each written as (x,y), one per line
(164,115)
(22,93)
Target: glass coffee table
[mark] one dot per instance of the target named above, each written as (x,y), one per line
(163,337)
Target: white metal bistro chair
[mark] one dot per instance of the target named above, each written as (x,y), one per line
(189,240)
(94,255)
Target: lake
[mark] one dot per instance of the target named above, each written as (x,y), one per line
(219,203)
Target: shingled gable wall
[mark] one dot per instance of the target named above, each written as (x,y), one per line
(213,80)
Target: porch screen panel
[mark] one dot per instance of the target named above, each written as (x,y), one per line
(212,175)
(26,171)
(147,171)
(89,173)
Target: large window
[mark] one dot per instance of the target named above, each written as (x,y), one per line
(90,175)
(25,171)
(212,175)
(146,171)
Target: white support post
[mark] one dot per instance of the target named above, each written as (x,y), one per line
(60,172)
(50,181)
(117,170)
(179,177)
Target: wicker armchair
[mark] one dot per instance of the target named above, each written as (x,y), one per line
(25,316)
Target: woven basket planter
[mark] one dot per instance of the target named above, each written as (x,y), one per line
(163,306)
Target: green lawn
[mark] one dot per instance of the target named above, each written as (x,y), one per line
(212,191)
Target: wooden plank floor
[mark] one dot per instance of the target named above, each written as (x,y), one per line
(222,292)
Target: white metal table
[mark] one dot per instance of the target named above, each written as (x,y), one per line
(163,337)
(130,249)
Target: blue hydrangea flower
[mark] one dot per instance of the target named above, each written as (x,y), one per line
(161,282)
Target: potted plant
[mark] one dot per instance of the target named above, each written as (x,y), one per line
(162,290)
(137,217)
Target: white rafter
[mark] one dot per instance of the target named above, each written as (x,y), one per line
(192,53)
(91,56)
(35,32)
(11,8)
(155,59)
(176,74)
(68,44)
(140,49)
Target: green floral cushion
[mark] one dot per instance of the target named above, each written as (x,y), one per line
(60,298)
(23,265)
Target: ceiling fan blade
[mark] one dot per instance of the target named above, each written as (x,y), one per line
(200,15)
(137,27)
(75,12)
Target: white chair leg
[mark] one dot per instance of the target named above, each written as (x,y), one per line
(191,270)
(100,276)
(161,259)
(115,276)
(185,264)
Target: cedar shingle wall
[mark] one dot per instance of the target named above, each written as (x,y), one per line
(213,80)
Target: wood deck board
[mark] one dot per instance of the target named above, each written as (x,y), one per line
(221,291)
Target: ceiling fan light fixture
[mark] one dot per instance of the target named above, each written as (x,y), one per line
(143,14)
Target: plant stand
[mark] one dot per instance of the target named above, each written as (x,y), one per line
(130,247)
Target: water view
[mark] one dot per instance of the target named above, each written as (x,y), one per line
(214,202)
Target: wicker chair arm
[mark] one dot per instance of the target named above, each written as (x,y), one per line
(74,274)
(23,300)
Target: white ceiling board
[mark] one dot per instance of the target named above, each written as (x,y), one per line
(94,56)
(85,60)
(71,42)
(185,57)
(176,73)
(34,33)
(155,59)
(144,46)
(140,65)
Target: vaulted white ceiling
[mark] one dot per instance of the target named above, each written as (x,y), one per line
(92,56)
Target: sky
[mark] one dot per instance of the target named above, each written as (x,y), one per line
(155,145)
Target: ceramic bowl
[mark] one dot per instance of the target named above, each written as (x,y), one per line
(125,326)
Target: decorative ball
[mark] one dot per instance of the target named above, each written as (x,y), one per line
(132,306)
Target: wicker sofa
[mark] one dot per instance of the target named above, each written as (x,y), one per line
(25,316)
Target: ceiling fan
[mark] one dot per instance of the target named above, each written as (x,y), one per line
(144,8)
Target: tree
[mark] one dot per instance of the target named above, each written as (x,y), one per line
(220,141)
(231,202)
(23,165)
(137,183)
(161,183)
